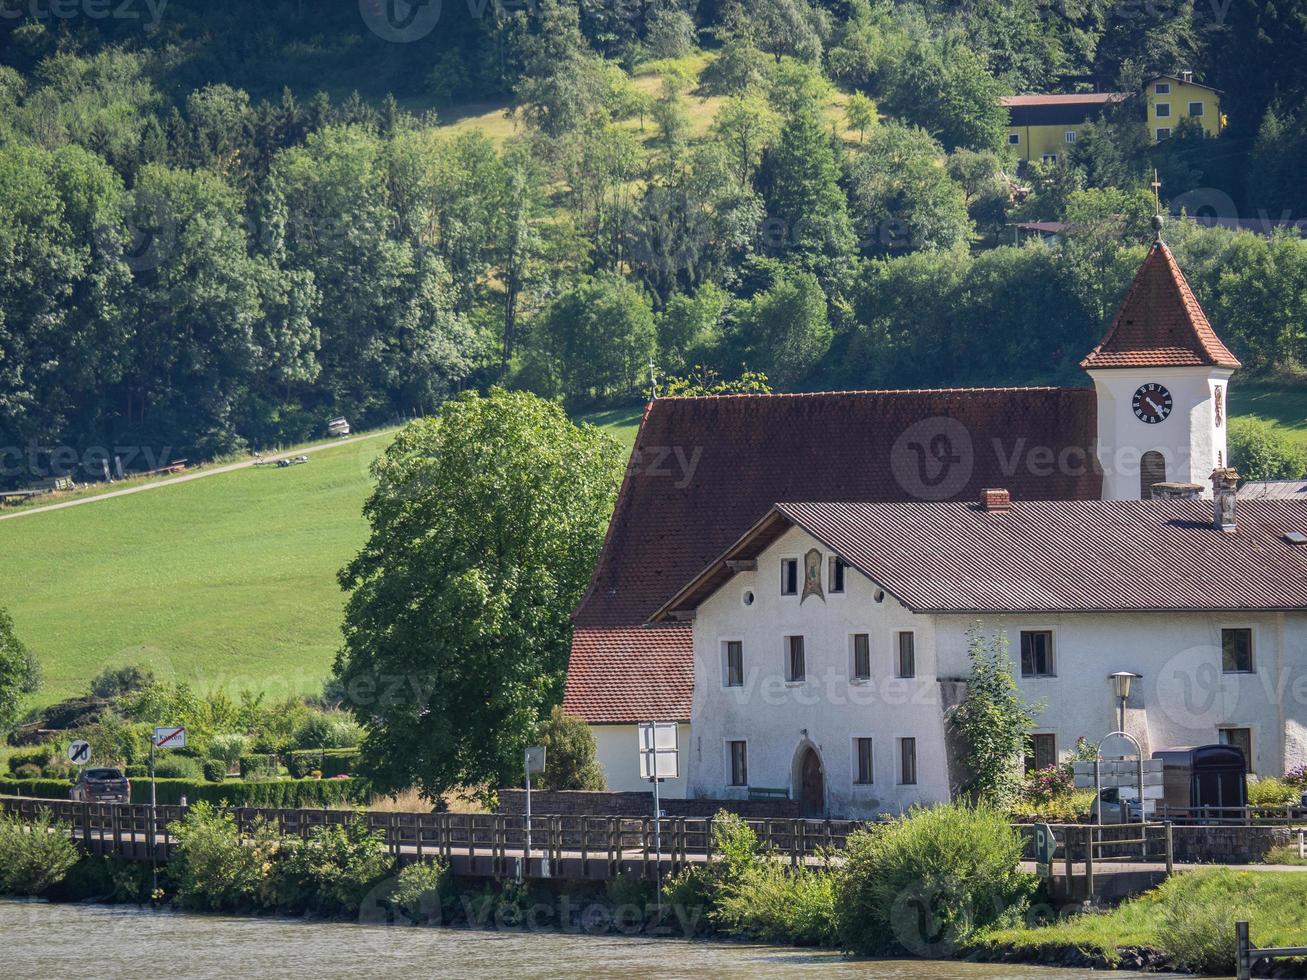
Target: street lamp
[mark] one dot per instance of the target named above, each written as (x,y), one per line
(1121,681)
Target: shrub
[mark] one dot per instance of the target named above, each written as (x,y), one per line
(1273,792)
(50,789)
(215,771)
(258,766)
(1297,776)
(173,766)
(269,793)
(778,904)
(569,754)
(29,771)
(329,731)
(333,871)
(40,757)
(1259,451)
(691,893)
(228,747)
(113,682)
(1196,932)
(212,869)
(1071,807)
(926,882)
(34,857)
(420,892)
(300,764)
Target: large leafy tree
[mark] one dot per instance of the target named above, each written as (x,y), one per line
(486,522)
(18,673)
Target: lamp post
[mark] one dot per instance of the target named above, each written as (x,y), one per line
(1121,681)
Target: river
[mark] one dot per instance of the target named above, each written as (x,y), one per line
(65,941)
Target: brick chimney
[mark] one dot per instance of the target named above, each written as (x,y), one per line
(1225,488)
(996,501)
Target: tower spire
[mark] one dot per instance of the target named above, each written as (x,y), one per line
(1158,221)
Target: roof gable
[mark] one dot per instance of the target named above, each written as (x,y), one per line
(1160,323)
(1048,556)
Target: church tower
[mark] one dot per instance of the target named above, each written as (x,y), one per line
(1161,374)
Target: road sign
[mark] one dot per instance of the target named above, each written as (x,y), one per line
(1045,845)
(535,759)
(170,737)
(79,753)
(659,750)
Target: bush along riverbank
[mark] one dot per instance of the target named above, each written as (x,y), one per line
(938,883)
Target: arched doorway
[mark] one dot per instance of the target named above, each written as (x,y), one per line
(1152,469)
(811,779)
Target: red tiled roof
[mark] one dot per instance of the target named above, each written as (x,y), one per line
(630,674)
(1052,556)
(1160,323)
(705,469)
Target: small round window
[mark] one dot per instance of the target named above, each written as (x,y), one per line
(748,597)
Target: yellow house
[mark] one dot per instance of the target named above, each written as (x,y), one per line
(1171,98)
(1044,127)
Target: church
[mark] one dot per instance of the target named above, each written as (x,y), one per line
(795,578)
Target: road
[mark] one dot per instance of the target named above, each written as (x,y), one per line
(185,478)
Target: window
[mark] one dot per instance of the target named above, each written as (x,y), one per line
(1049,158)
(794,667)
(1237,651)
(863,772)
(837,567)
(1163,88)
(1163,133)
(908,761)
(739,763)
(1070,136)
(1013,139)
(1195,109)
(1152,469)
(907,665)
(1162,110)
(1037,654)
(1041,752)
(789,576)
(861,657)
(734,663)
(1240,738)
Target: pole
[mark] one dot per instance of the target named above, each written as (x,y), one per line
(526,868)
(658,847)
(154,821)
(1121,727)
(1243,944)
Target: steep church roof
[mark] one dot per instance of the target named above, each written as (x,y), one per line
(1160,323)
(704,470)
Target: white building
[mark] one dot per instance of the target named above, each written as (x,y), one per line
(686,619)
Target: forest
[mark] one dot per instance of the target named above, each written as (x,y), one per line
(222,225)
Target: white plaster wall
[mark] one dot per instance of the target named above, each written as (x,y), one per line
(1183,697)
(616,748)
(1189,438)
(772,714)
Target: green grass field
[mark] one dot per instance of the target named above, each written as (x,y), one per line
(1285,408)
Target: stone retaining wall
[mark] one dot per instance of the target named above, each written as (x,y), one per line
(1227,845)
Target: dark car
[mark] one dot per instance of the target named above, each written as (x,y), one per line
(101,785)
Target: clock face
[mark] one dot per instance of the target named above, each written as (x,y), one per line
(1152,403)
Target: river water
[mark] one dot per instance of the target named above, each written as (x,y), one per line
(41,940)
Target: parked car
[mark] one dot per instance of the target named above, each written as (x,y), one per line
(1114,811)
(101,785)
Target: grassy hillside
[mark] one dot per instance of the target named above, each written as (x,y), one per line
(226,581)
(1285,408)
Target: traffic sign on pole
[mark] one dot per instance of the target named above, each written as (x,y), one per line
(79,752)
(170,737)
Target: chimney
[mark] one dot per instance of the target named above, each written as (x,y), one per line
(1186,74)
(1225,486)
(1177,491)
(996,501)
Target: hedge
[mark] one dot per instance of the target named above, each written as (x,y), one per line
(330,762)
(270,793)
